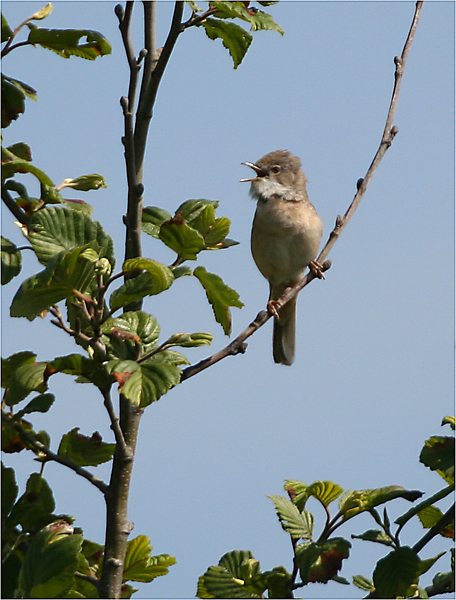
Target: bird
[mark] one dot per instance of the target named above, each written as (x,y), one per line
(286,236)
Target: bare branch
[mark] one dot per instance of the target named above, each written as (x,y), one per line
(238,345)
(39,448)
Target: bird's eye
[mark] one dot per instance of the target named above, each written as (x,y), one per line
(275,169)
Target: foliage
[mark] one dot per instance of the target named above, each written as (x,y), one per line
(318,558)
(44,556)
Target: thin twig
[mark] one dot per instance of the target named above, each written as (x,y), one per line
(238,345)
(115,424)
(39,448)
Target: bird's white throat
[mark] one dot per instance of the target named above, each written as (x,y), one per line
(266,187)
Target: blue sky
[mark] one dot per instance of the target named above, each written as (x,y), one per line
(373,375)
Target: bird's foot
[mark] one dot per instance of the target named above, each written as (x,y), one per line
(317,269)
(273,308)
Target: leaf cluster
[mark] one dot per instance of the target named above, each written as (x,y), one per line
(219,22)
(318,558)
(44,556)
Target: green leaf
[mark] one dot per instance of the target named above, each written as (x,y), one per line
(325,491)
(12,363)
(26,378)
(235,39)
(85,451)
(438,455)
(257,18)
(146,382)
(220,297)
(11,260)
(449,420)
(232,578)
(153,218)
(66,42)
(12,164)
(163,274)
(21,150)
(320,562)
(299,524)
(200,214)
(10,490)
(363,583)
(13,104)
(42,13)
(190,340)
(124,334)
(140,565)
(54,229)
(50,562)
(35,503)
(85,369)
(41,403)
(6,30)
(428,563)
(181,271)
(374,535)
(354,502)
(65,273)
(180,237)
(430,516)
(84,183)
(395,573)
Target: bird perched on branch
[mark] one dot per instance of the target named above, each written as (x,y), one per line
(286,236)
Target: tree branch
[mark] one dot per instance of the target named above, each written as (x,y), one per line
(444,520)
(238,345)
(39,448)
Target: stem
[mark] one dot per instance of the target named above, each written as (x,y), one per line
(39,448)
(118,526)
(13,207)
(238,345)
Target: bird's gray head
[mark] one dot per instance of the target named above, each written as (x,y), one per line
(278,173)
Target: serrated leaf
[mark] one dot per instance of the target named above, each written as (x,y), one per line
(438,455)
(190,340)
(430,516)
(190,210)
(85,451)
(374,535)
(299,524)
(68,42)
(36,502)
(64,274)
(26,378)
(146,382)
(235,39)
(325,491)
(140,565)
(227,579)
(139,326)
(50,562)
(11,260)
(153,218)
(395,573)
(12,363)
(54,229)
(220,297)
(183,239)
(79,205)
(84,183)
(320,562)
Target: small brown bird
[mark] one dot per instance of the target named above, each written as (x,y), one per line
(286,236)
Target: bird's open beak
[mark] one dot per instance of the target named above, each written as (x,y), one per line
(258,170)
